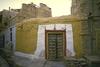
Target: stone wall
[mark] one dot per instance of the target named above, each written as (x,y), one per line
(33,11)
(7,29)
(85,7)
(27,33)
(9,18)
(27,11)
(43,11)
(10,36)
(1,41)
(6,17)
(89,12)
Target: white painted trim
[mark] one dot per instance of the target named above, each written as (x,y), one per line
(40,50)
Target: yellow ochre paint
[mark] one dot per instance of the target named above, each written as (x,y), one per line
(27,31)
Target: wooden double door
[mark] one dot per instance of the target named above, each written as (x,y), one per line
(55,45)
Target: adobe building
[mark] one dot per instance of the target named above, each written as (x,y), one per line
(89,10)
(8,21)
(51,38)
(32,11)
(7,27)
(55,38)
(9,18)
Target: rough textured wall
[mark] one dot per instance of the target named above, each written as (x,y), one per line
(26,33)
(7,16)
(80,7)
(33,11)
(97,42)
(5,25)
(96,28)
(10,36)
(44,11)
(89,11)
(96,7)
(1,41)
(84,7)
(28,11)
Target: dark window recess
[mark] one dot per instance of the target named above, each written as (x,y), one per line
(5,23)
(0,18)
(10,29)
(9,16)
(24,17)
(11,36)
(2,41)
(18,10)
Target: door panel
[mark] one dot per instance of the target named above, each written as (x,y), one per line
(51,46)
(55,45)
(59,46)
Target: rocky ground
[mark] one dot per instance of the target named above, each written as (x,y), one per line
(25,62)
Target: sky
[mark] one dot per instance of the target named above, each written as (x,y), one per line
(59,7)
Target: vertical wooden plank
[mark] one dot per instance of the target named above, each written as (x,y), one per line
(59,34)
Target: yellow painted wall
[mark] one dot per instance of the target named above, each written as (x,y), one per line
(26,39)
(26,33)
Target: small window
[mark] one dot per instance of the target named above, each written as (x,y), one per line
(9,16)
(5,23)
(10,29)
(0,18)
(11,36)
